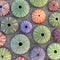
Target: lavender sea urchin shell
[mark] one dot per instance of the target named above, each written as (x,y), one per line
(26,26)
(37,53)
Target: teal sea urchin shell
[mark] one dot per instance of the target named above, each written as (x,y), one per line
(53,51)
(54,19)
(41,34)
(9,25)
(20,44)
(20,8)
(38,3)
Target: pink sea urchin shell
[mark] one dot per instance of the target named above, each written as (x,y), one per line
(3,39)
(4,8)
(53,5)
(20,58)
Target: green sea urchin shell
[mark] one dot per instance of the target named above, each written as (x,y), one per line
(5,54)
(38,3)
(41,34)
(20,8)
(53,51)
(20,44)
(9,25)
(54,19)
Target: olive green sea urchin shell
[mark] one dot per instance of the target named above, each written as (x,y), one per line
(5,54)
(53,51)
(41,34)
(20,8)
(38,3)
(54,19)
(9,25)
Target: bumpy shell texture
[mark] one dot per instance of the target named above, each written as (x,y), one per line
(20,58)
(56,34)
(20,8)
(9,25)
(41,34)
(38,3)
(20,44)
(53,51)
(54,19)
(53,5)
(38,16)
(5,54)
(37,53)
(26,26)
(3,39)
(4,8)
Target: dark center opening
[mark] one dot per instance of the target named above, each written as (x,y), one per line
(39,15)
(55,51)
(20,44)
(37,54)
(53,4)
(2,56)
(0,6)
(56,18)
(20,7)
(9,25)
(42,34)
(26,26)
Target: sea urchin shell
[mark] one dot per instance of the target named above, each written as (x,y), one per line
(37,53)
(4,8)
(53,51)
(20,44)
(20,8)
(56,34)
(26,26)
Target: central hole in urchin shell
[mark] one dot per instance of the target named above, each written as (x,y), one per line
(42,34)
(20,7)
(2,56)
(20,44)
(39,15)
(53,4)
(55,51)
(9,25)
(56,18)
(37,54)
(0,6)
(26,26)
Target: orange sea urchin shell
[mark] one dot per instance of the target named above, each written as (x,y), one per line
(4,8)
(3,39)
(38,16)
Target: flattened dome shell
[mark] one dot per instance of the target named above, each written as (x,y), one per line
(20,44)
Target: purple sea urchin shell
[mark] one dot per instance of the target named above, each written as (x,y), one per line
(37,53)
(56,34)
(26,26)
